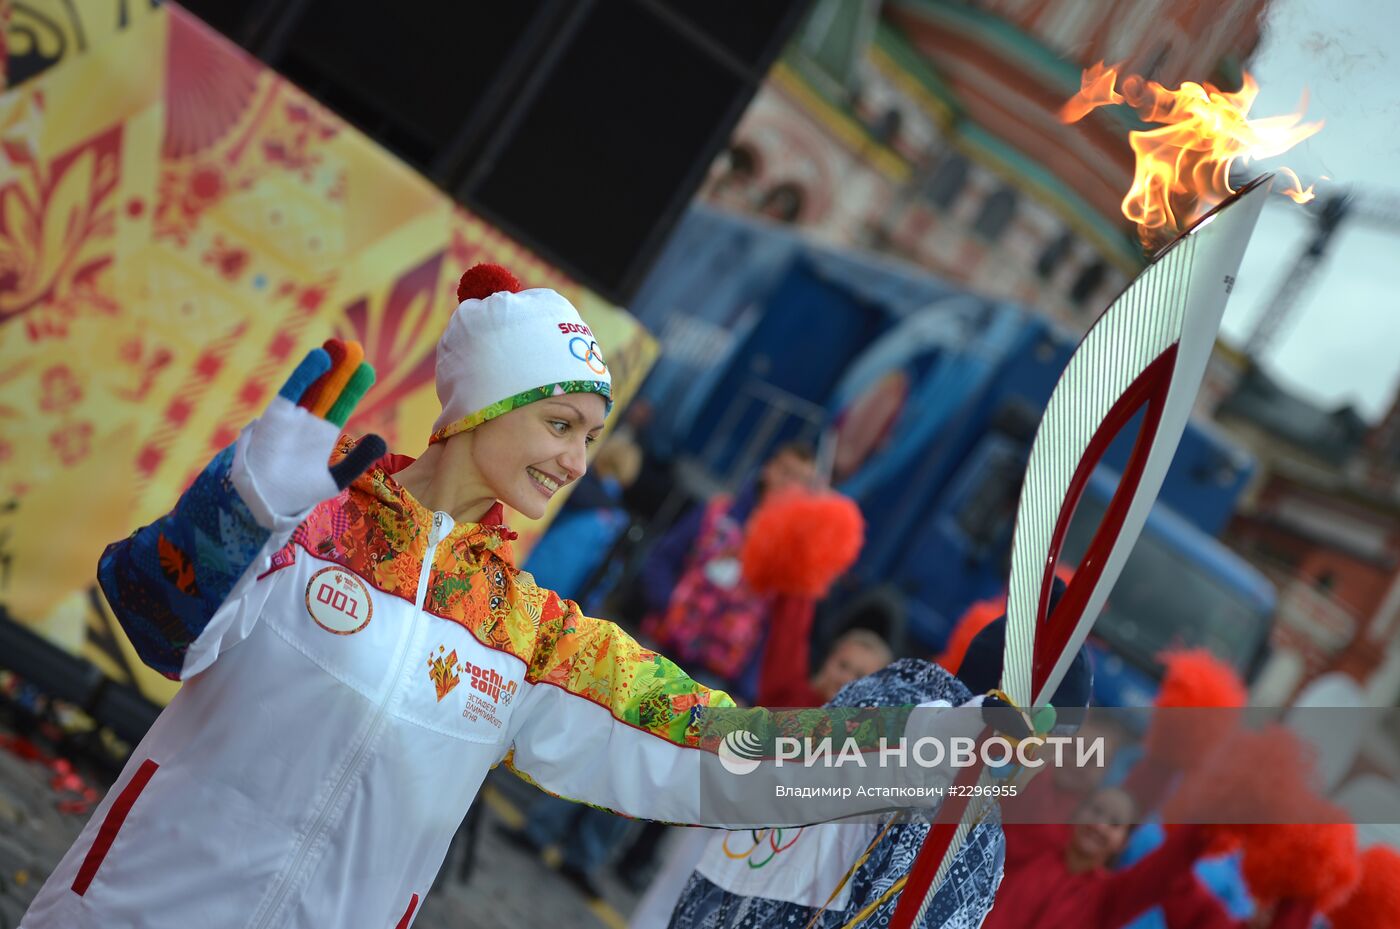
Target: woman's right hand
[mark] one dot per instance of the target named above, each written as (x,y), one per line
(285,453)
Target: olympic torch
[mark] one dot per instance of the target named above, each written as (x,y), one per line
(1147,352)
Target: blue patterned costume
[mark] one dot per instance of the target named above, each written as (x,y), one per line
(964,899)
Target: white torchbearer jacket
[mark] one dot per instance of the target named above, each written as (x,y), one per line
(350,676)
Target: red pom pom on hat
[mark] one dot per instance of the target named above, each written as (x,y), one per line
(483,280)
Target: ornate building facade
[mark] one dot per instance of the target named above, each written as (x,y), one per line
(941,141)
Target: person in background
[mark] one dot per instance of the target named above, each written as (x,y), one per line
(1292,869)
(795,546)
(857,653)
(699,605)
(840,874)
(1173,744)
(1068,883)
(1279,854)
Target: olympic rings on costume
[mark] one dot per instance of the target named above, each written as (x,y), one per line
(775,843)
(589,355)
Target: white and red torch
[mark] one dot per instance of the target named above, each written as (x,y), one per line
(1147,352)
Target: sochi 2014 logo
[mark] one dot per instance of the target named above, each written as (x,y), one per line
(489,683)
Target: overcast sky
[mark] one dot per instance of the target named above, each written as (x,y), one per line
(1343,342)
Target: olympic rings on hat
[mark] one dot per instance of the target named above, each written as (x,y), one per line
(590,354)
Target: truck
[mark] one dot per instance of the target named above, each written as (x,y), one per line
(923,399)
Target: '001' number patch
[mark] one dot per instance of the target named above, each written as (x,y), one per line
(338,601)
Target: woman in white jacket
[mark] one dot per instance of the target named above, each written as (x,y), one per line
(358,650)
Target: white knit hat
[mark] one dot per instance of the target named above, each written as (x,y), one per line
(505,347)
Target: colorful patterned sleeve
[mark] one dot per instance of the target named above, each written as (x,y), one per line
(604,721)
(167,580)
(595,660)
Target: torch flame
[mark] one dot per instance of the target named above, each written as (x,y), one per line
(1183,165)
(1297,192)
(1095,90)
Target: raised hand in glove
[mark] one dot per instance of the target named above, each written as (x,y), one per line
(281,468)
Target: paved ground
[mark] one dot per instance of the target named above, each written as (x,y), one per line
(508,887)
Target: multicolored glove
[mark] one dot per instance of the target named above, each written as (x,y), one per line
(281,467)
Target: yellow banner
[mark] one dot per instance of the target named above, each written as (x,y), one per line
(178,225)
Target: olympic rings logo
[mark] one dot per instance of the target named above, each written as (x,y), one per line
(772,838)
(589,355)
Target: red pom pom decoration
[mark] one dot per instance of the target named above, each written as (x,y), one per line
(1258,776)
(483,280)
(1193,678)
(799,543)
(1375,903)
(1312,862)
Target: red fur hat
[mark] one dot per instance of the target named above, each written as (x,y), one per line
(1375,902)
(799,543)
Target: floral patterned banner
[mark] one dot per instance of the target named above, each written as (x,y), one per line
(178,225)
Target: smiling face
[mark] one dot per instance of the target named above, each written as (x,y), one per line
(1101,827)
(526,456)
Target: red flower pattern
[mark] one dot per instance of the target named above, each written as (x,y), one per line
(72,442)
(230,260)
(59,389)
(57,225)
